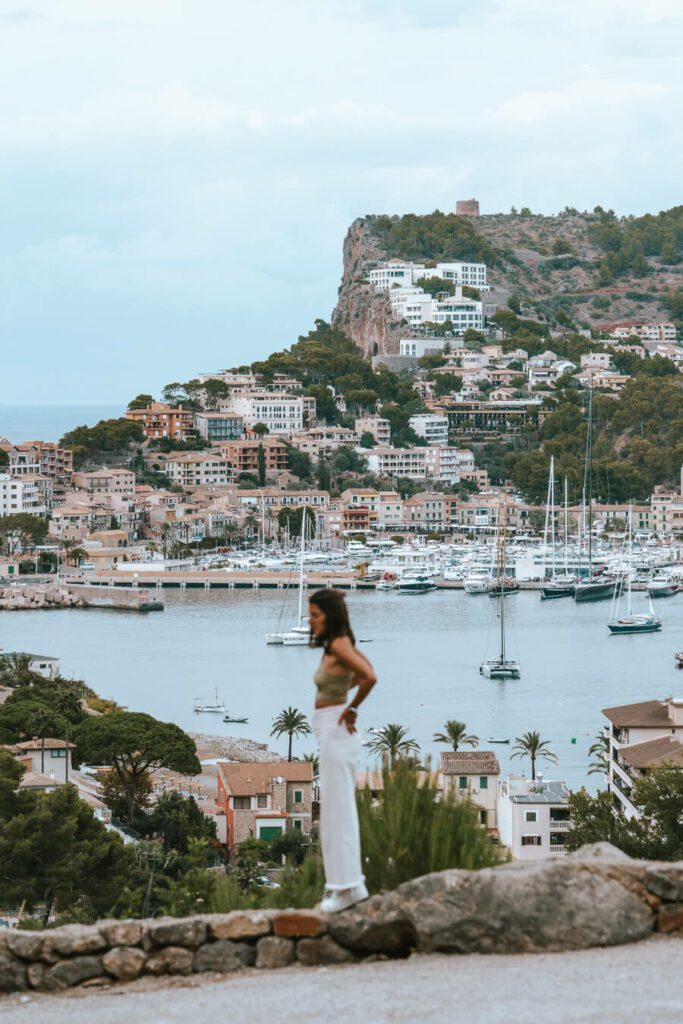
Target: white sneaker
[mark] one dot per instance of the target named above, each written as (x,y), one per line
(342,899)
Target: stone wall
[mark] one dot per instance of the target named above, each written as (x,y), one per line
(596,897)
(31,595)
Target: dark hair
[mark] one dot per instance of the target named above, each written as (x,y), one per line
(333,606)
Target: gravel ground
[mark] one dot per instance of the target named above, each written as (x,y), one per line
(639,984)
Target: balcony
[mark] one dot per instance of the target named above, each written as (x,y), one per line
(556,848)
(560,824)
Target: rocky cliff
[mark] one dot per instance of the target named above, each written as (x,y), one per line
(364,314)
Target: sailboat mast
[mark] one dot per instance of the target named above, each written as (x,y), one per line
(566,527)
(589,451)
(551,511)
(301,565)
(502,535)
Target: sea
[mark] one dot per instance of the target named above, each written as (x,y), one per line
(50,422)
(426,650)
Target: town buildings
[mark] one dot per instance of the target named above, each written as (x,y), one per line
(397,273)
(219,426)
(262,800)
(433,428)
(473,775)
(161,420)
(641,736)
(379,427)
(533,817)
(281,412)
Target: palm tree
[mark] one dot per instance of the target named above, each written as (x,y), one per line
(294,723)
(455,733)
(392,741)
(599,751)
(531,745)
(314,760)
(250,525)
(76,556)
(42,723)
(70,707)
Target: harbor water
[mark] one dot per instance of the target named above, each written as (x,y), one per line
(426,651)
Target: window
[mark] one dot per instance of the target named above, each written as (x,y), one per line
(262,800)
(531,840)
(483,782)
(241,803)
(462,782)
(482,816)
(298,824)
(298,796)
(58,753)
(531,816)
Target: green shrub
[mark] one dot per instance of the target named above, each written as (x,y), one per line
(408,833)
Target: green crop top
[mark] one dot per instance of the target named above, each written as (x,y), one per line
(332,688)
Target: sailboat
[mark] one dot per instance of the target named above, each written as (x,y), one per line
(560,585)
(643,622)
(501,667)
(217,708)
(595,587)
(299,634)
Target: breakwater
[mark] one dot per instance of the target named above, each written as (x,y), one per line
(56,594)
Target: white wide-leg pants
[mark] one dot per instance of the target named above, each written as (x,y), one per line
(339,831)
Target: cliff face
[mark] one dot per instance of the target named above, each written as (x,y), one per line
(364,314)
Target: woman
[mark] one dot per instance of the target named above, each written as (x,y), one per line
(342,667)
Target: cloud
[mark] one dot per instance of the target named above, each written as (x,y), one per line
(593,95)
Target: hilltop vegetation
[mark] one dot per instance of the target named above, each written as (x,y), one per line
(575,269)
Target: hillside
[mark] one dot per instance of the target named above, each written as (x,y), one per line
(571,270)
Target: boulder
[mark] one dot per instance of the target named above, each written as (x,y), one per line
(172,960)
(12,973)
(240,924)
(224,956)
(323,950)
(67,973)
(125,963)
(541,906)
(178,931)
(121,933)
(273,952)
(24,944)
(670,918)
(296,924)
(71,940)
(666,880)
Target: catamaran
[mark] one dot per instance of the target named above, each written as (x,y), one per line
(595,587)
(501,667)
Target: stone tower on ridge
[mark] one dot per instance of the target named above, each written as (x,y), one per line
(467,208)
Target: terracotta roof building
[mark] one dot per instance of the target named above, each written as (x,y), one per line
(263,799)
(473,775)
(641,737)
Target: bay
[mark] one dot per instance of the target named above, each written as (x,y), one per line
(426,651)
(50,422)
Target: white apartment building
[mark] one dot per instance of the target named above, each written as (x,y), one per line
(24,460)
(324,440)
(22,494)
(198,469)
(435,463)
(375,425)
(533,817)
(641,736)
(399,273)
(662,331)
(419,347)
(418,307)
(473,775)
(430,426)
(596,361)
(281,412)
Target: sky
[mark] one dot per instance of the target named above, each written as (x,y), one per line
(178,175)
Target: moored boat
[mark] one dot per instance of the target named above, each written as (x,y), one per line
(662,586)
